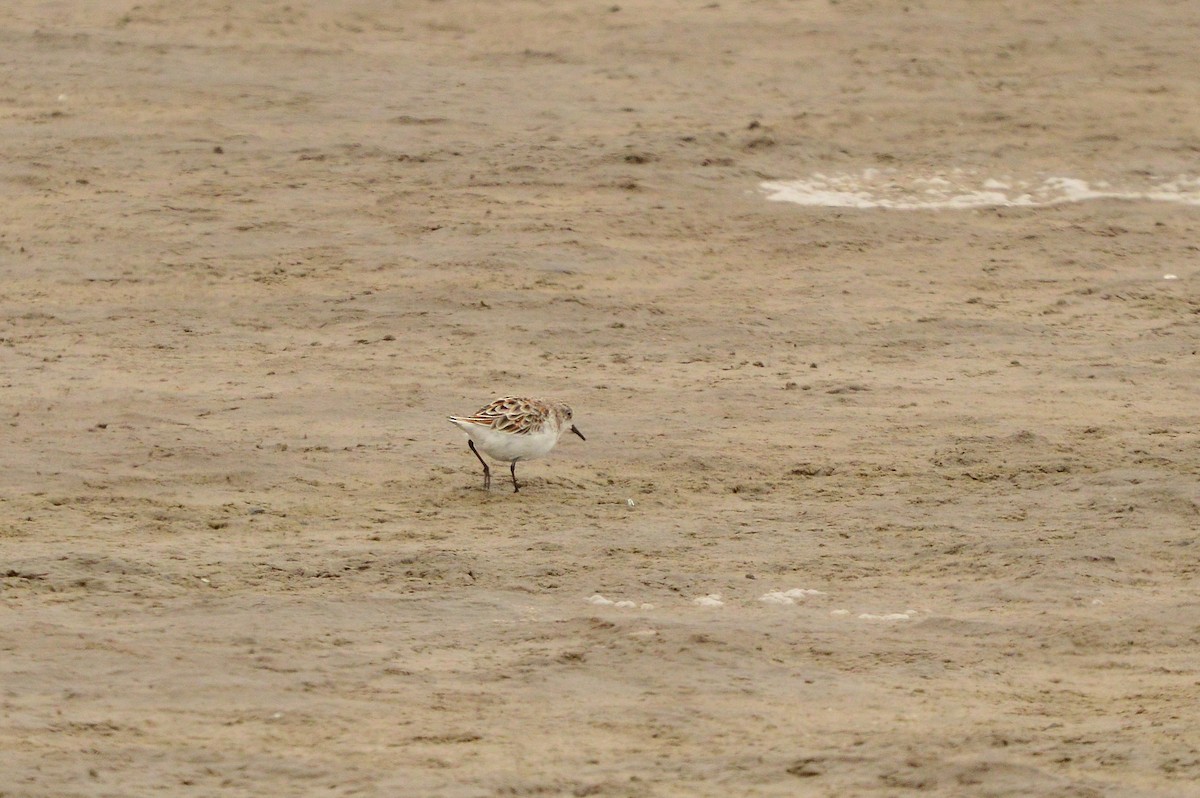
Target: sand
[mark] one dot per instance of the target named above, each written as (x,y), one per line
(255,252)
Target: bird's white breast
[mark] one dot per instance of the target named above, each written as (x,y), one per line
(507,446)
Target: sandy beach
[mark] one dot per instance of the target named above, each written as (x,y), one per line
(889,494)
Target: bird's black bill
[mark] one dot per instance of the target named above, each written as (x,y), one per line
(577,432)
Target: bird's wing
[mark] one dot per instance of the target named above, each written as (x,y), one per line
(510,414)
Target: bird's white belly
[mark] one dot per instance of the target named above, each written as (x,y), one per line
(507,447)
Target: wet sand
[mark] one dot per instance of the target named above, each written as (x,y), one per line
(255,253)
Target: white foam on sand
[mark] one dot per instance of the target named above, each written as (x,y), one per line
(887,616)
(785,597)
(960,189)
(711,600)
(907,615)
(601,601)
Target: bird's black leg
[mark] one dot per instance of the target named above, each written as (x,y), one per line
(513,471)
(487,472)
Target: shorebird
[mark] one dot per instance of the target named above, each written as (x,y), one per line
(515,428)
